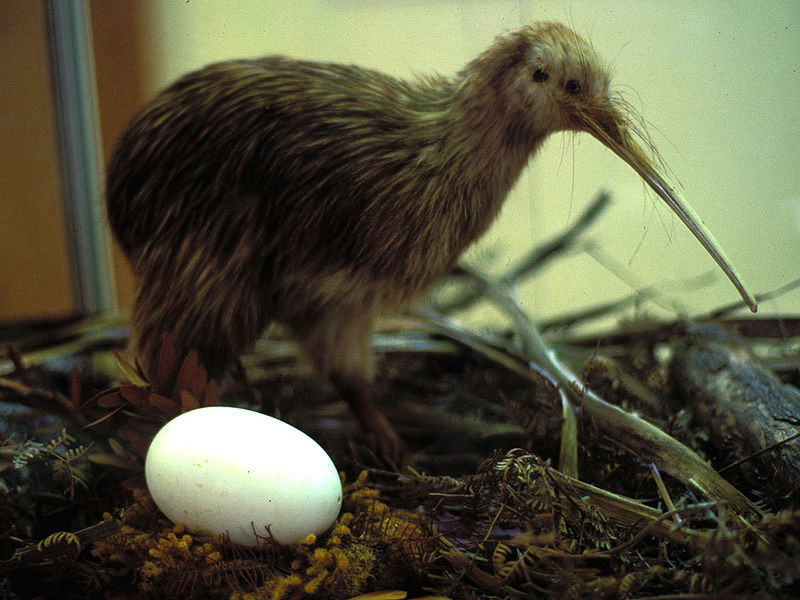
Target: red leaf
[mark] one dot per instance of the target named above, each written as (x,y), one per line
(137,396)
(111,398)
(139,436)
(104,417)
(198,381)
(164,404)
(187,372)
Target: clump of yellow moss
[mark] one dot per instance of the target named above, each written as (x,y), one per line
(177,550)
(369,546)
(340,566)
(162,557)
(405,540)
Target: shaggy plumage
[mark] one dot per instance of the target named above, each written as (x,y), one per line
(322,195)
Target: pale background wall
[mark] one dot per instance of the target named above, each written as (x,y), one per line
(719,83)
(34,265)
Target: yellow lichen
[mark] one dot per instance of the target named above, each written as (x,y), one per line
(150,570)
(284,585)
(312,586)
(369,544)
(309,540)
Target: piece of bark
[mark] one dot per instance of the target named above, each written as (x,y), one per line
(747,409)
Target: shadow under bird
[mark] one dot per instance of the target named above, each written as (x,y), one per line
(323,195)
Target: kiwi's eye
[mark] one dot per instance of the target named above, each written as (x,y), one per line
(540,76)
(572,86)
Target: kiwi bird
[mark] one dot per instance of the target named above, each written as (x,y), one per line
(322,195)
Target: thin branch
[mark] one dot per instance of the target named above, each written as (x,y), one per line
(536,258)
(650,443)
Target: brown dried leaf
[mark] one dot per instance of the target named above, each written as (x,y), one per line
(105,417)
(116,447)
(44,379)
(164,404)
(75,388)
(188,401)
(382,595)
(166,363)
(198,382)
(131,371)
(137,482)
(212,394)
(138,436)
(137,396)
(112,460)
(110,398)
(192,376)
(19,366)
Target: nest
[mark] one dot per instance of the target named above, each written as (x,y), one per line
(658,461)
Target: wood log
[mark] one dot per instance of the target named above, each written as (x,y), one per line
(749,412)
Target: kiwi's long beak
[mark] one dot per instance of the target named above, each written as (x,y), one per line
(610,127)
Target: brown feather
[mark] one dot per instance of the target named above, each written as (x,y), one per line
(320,195)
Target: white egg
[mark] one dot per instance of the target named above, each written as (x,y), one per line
(219,469)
